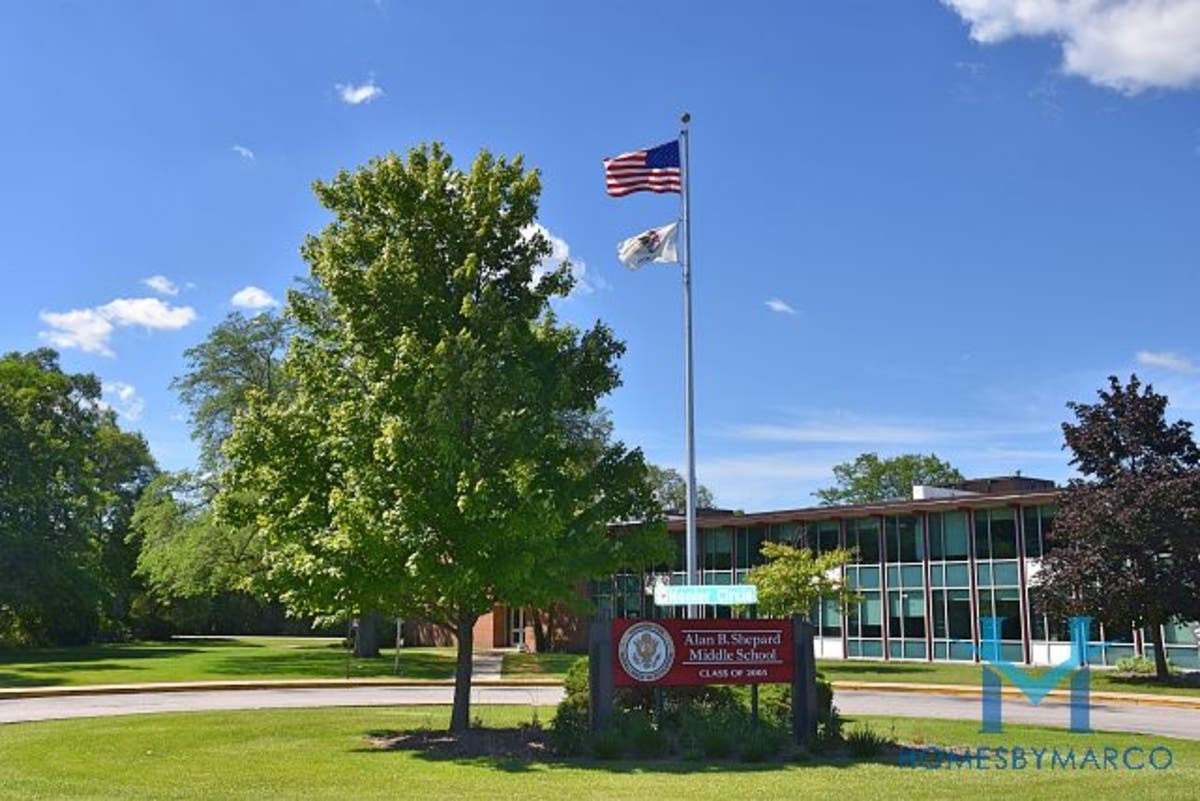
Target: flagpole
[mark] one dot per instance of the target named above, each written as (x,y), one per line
(689,392)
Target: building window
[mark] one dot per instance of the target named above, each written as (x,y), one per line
(862,535)
(947,536)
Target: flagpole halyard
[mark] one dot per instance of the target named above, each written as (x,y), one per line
(688,378)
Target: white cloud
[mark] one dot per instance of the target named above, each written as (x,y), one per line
(1127,45)
(244,152)
(124,399)
(91,329)
(560,251)
(852,429)
(251,297)
(780,306)
(363,93)
(1168,361)
(161,284)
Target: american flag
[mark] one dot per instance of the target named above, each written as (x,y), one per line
(654,170)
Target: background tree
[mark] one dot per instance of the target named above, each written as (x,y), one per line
(1125,548)
(239,356)
(670,488)
(428,460)
(869,479)
(68,478)
(204,571)
(793,580)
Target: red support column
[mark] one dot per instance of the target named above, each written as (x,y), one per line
(883,592)
(1026,649)
(927,590)
(973,583)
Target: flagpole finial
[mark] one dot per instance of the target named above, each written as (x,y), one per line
(686,118)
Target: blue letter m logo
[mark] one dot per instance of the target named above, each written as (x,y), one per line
(1035,688)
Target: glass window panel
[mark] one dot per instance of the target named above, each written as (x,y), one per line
(853,648)
(1008,607)
(937,575)
(894,649)
(912,576)
(1006,573)
(891,539)
(936,549)
(958,613)
(872,648)
(941,650)
(868,577)
(983,574)
(1011,652)
(1178,633)
(939,614)
(893,576)
(958,574)
(828,537)
(982,548)
(962,651)
(1004,534)
(718,549)
(914,649)
(912,540)
(954,527)
(866,540)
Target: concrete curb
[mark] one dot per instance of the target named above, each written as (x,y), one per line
(956,690)
(266,684)
(967,691)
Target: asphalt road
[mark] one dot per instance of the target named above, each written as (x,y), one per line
(1163,721)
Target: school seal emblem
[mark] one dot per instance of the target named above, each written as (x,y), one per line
(646,651)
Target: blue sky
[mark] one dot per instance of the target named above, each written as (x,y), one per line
(919,226)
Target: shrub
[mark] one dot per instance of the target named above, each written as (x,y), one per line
(863,742)
(643,740)
(607,744)
(762,744)
(1136,666)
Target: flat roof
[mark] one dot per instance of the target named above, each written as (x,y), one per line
(903,506)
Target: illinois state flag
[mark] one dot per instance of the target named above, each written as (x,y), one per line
(657,244)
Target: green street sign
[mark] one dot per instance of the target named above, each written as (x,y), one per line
(705,594)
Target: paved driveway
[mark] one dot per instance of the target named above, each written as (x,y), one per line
(1146,719)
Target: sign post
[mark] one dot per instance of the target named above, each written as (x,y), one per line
(804,681)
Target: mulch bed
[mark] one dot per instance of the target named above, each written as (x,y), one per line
(524,743)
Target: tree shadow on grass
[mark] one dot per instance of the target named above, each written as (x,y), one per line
(325,664)
(20,680)
(1183,681)
(523,750)
(851,671)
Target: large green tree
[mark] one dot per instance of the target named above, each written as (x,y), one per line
(869,479)
(1125,548)
(429,459)
(68,481)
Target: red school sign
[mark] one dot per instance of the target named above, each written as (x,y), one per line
(681,652)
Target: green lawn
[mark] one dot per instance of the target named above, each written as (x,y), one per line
(546,666)
(556,665)
(957,673)
(322,754)
(230,658)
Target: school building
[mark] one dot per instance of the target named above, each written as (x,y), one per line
(927,569)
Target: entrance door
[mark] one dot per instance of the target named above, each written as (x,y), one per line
(516,627)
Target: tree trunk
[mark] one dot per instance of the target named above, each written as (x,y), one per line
(460,716)
(366,638)
(541,634)
(1161,671)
